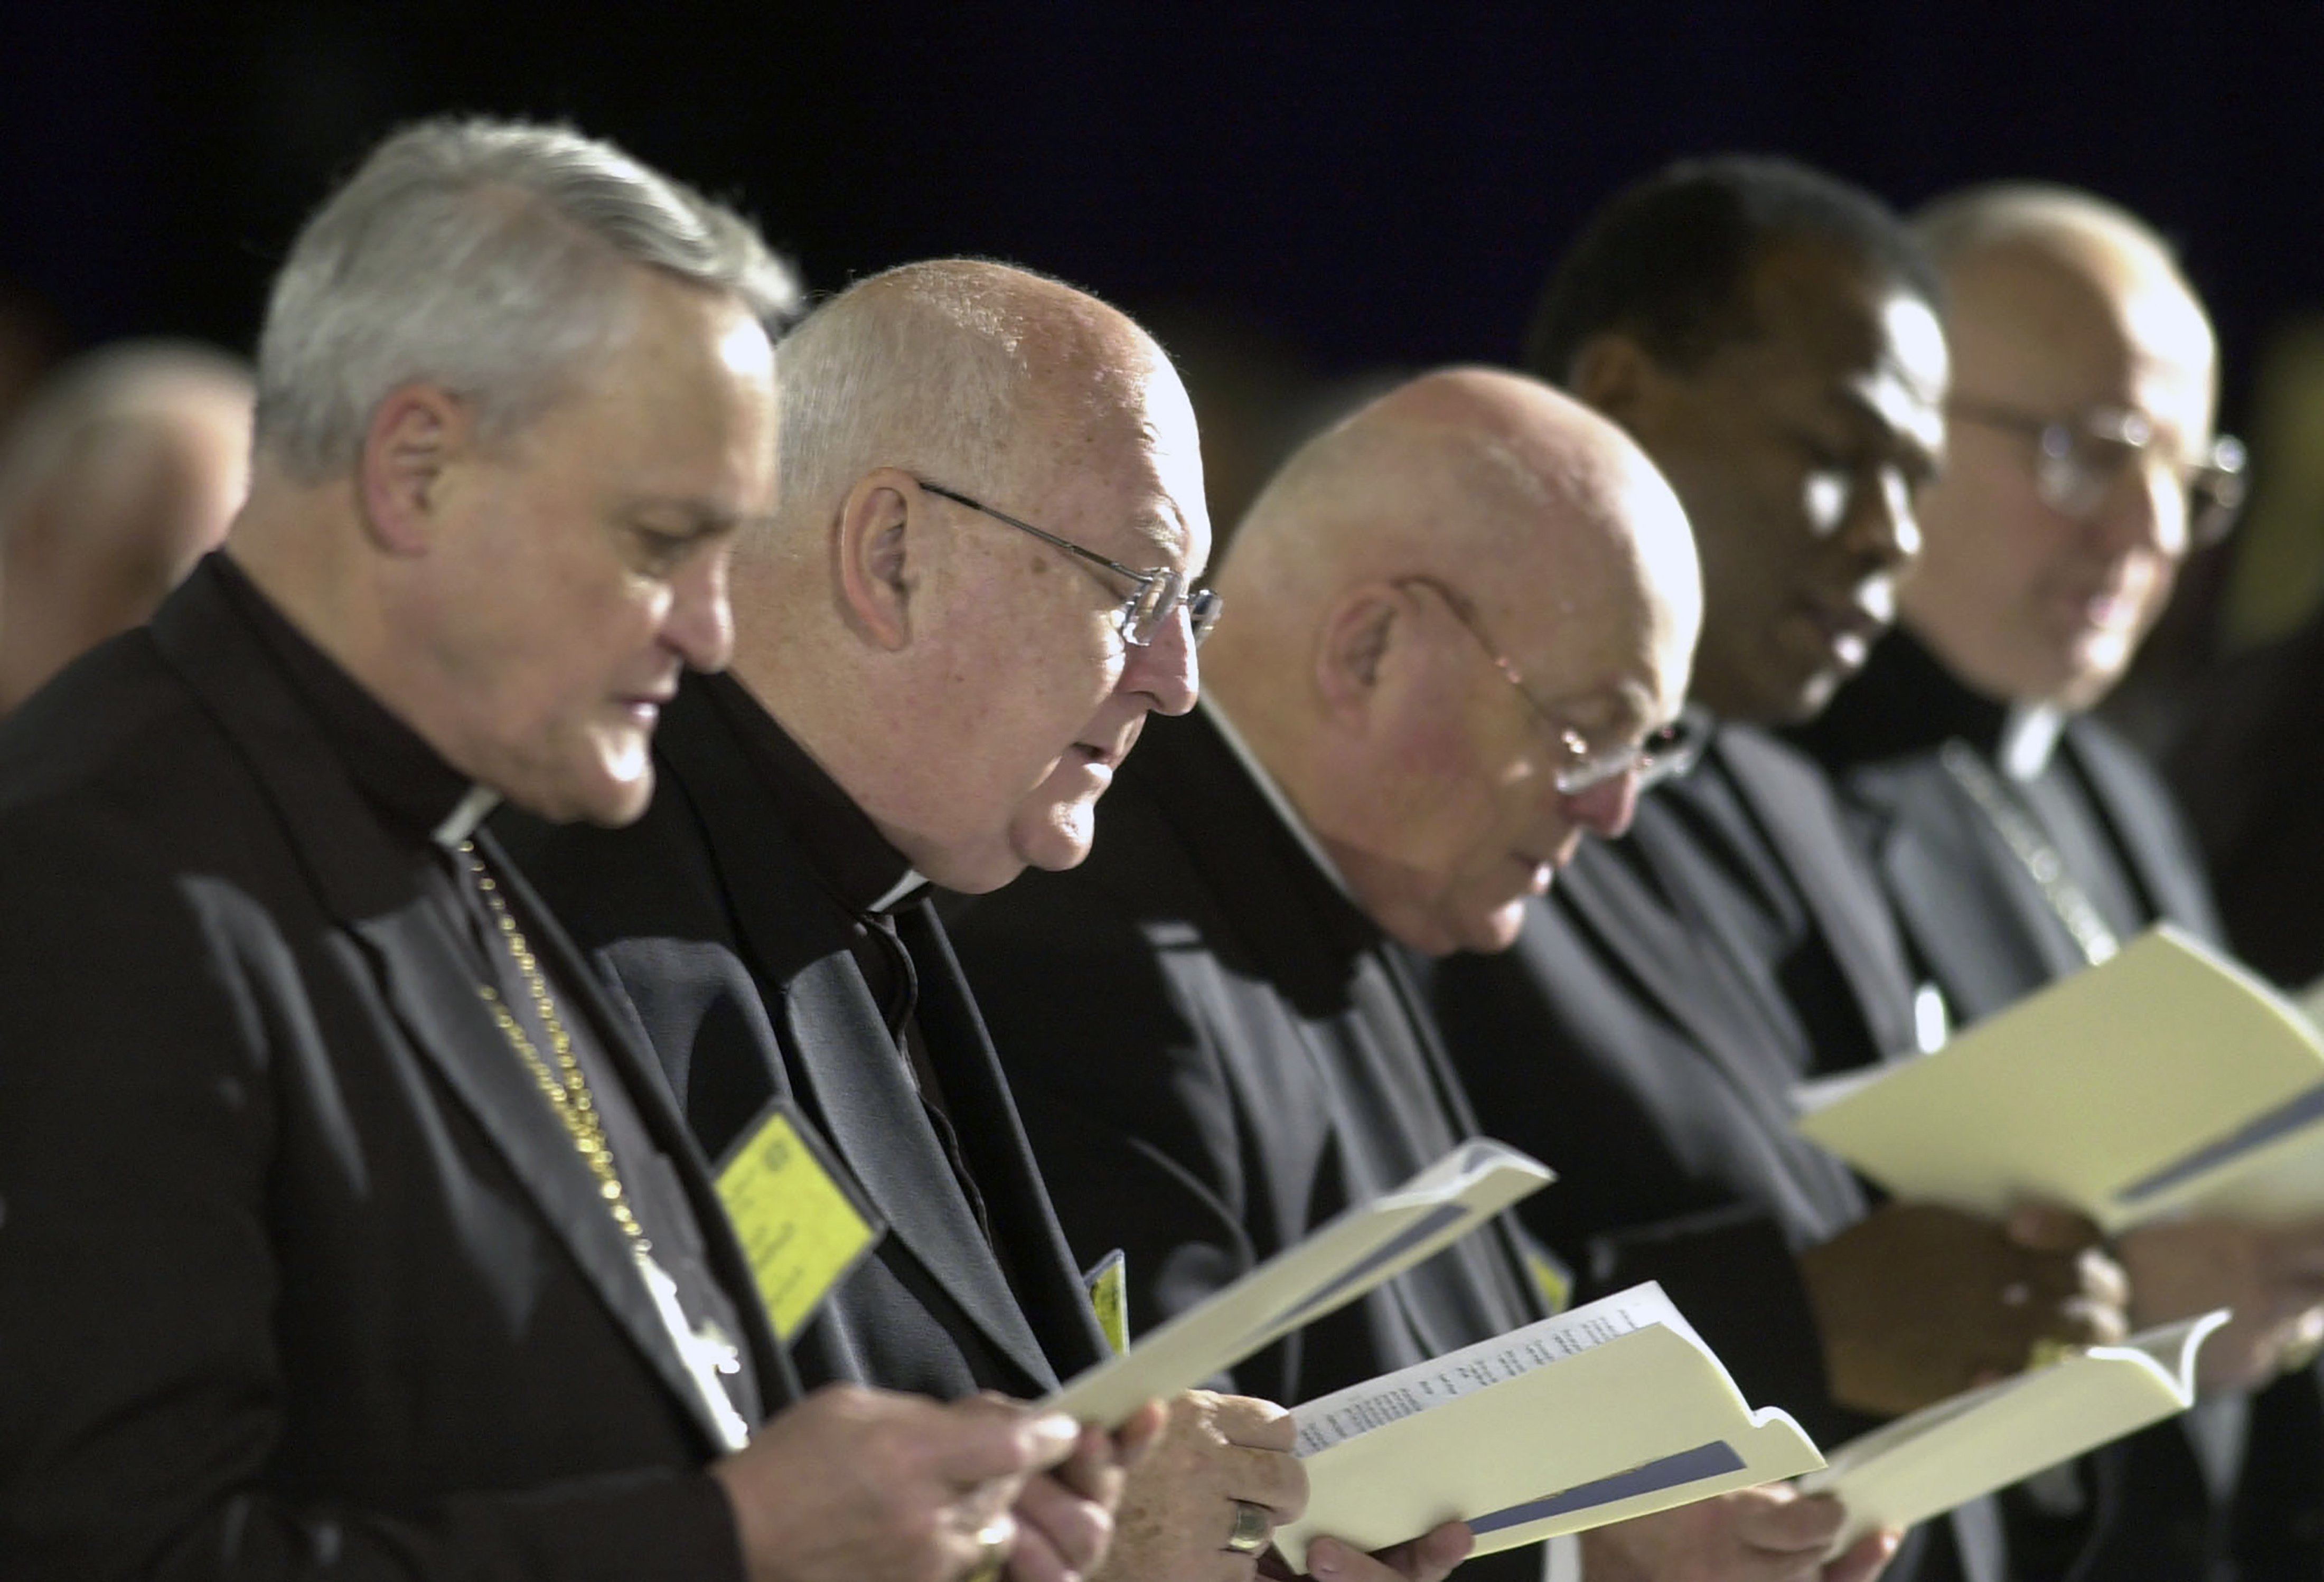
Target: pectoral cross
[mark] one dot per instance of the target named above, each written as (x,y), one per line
(706,1352)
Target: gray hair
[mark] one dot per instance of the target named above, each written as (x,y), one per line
(931,366)
(487,257)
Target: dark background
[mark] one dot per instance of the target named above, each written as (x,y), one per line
(1295,196)
(1370,183)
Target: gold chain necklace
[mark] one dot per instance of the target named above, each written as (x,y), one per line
(705,1352)
(566,1089)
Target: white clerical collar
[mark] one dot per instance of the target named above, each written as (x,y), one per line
(2028,737)
(1276,800)
(461,823)
(912,880)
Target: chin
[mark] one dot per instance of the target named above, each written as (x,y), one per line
(1059,838)
(1495,931)
(1445,933)
(609,798)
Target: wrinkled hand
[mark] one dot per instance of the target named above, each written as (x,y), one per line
(1178,1505)
(855,1485)
(1065,1516)
(1768,1534)
(1915,1303)
(1430,1558)
(2271,1276)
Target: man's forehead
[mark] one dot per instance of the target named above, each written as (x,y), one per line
(1905,392)
(1817,305)
(1837,332)
(1595,653)
(1154,493)
(2074,333)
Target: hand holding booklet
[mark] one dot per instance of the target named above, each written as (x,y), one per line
(1985,1439)
(2164,1080)
(1335,1266)
(1614,1409)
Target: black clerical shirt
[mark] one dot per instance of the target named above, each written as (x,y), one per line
(1906,704)
(431,808)
(865,877)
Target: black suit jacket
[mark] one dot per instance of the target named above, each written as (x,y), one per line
(2250,772)
(300,1273)
(1632,1041)
(1215,1052)
(734,958)
(1988,936)
(1644,1038)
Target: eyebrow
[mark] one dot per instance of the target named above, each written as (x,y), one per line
(1927,462)
(1168,538)
(1624,706)
(702,518)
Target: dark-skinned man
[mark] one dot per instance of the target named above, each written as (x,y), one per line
(2019,840)
(1769,337)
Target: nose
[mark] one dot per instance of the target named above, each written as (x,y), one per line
(1165,669)
(1884,527)
(700,623)
(2145,510)
(1605,809)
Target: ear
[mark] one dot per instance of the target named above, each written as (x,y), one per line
(1614,374)
(882,521)
(416,436)
(1362,634)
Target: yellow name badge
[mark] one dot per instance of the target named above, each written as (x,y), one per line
(1555,1285)
(1109,1294)
(801,1224)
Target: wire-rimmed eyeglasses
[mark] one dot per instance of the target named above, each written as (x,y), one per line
(2077,460)
(1660,755)
(1156,593)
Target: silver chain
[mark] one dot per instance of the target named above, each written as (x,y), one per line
(2032,850)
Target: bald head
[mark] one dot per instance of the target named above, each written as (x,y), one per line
(964,679)
(126,468)
(1452,476)
(2049,558)
(978,374)
(1468,517)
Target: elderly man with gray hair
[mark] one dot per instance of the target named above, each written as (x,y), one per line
(343,1232)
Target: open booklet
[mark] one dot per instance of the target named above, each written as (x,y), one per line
(2165,1078)
(1613,1409)
(1988,1438)
(1332,1267)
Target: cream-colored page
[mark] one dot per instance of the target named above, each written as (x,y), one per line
(1987,1440)
(1614,1409)
(2164,1079)
(1332,1267)
(2310,1002)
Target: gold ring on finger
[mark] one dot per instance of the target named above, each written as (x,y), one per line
(1254,1524)
(994,1539)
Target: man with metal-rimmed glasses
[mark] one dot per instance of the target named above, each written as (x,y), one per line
(1460,641)
(2020,839)
(1768,334)
(983,576)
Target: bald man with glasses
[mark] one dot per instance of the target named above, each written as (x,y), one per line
(1462,622)
(928,688)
